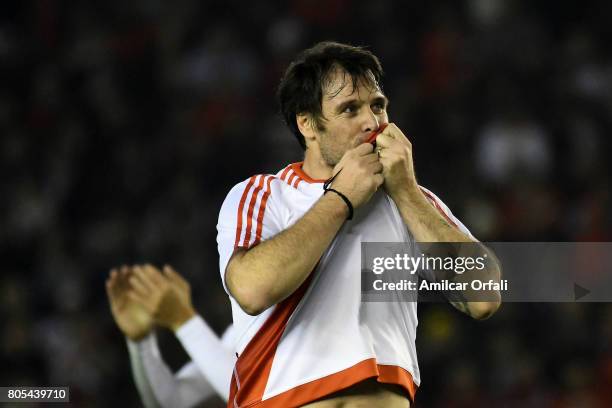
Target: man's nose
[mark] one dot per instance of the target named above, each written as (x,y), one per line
(370,122)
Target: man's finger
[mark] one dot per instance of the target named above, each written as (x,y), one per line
(370,158)
(110,290)
(363,149)
(141,300)
(113,284)
(385,159)
(394,130)
(113,274)
(153,274)
(174,276)
(140,287)
(385,141)
(122,276)
(168,273)
(375,167)
(115,296)
(145,278)
(379,179)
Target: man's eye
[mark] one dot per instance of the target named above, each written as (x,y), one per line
(378,108)
(350,109)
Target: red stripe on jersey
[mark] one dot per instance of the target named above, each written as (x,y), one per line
(292,177)
(328,385)
(262,209)
(245,193)
(296,182)
(253,366)
(247,235)
(433,200)
(284,174)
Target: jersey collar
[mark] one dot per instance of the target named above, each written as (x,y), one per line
(297,169)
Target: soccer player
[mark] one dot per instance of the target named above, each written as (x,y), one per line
(290,243)
(142,297)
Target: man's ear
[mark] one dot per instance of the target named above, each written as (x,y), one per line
(306,127)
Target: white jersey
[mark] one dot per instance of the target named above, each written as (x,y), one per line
(322,338)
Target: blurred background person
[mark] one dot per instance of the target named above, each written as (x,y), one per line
(142,297)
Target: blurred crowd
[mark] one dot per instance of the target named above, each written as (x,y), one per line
(124,124)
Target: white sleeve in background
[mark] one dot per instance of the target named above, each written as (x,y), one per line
(140,351)
(157,385)
(214,359)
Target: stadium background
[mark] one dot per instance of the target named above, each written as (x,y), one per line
(124,124)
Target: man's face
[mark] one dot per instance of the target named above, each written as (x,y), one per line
(349,115)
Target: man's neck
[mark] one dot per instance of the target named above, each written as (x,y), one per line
(315,167)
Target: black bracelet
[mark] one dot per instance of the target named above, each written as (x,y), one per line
(348,203)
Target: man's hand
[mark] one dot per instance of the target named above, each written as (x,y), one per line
(395,152)
(178,307)
(358,174)
(425,221)
(166,296)
(131,317)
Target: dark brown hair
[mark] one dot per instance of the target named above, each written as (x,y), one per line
(301,88)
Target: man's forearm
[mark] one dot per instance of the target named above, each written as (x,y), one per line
(427,225)
(150,373)
(269,272)
(214,361)
(424,221)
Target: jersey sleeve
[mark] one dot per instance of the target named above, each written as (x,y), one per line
(158,386)
(248,215)
(446,212)
(214,360)
(208,373)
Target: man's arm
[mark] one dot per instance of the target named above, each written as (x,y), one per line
(212,358)
(266,274)
(136,325)
(269,272)
(167,296)
(427,223)
(208,373)
(156,384)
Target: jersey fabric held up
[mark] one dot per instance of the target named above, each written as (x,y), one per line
(322,338)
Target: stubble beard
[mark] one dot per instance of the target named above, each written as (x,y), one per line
(330,153)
